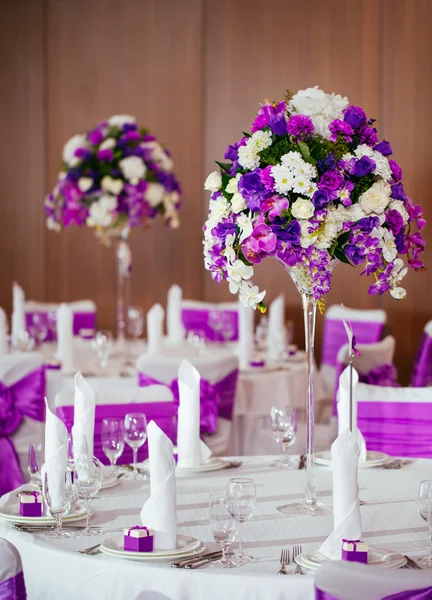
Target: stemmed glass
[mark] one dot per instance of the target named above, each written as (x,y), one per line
(113,442)
(101,343)
(135,328)
(39,328)
(197,339)
(58,499)
(52,322)
(135,435)
(215,323)
(284,425)
(35,458)
(241,500)
(88,481)
(228,326)
(222,528)
(425,511)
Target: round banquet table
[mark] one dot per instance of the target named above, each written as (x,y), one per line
(53,570)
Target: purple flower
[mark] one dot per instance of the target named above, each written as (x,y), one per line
(363,167)
(278,124)
(394,221)
(354,116)
(345,193)
(367,224)
(329,164)
(267,179)
(416,213)
(96,137)
(300,127)
(129,127)
(105,155)
(395,169)
(400,242)
(321,198)
(384,147)
(260,243)
(252,189)
(398,192)
(288,233)
(368,136)
(131,135)
(355,254)
(231,153)
(338,127)
(265,114)
(83,153)
(331,181)
(276,204)
(223,229)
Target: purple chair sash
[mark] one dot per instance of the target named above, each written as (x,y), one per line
(25,398)
(13,588)
(215,400)
(81,320)
(195,319)
(422,369)
(422,594)
(160,412)
(335,337)
(397,428)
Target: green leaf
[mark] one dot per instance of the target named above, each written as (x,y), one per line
(305,152)
(339,254)
(224,166)
(225,180)
(246,134)
(244,260)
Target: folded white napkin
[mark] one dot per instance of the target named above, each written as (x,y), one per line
(56,456)
(276,329)
(3,332)
(18,314)
(176,330)
(160,511)
(246,333)
(84,418)
(346,506)
(65,337)
(343,401)
(192,451)
(155,317)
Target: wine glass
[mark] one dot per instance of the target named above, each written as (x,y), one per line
(52,323)
(58,493)
(241,499)
(197,339)
(222,528)
(215,323)
(35,458)
(228,326)
(135,435)
(284,425)
(101,343)
(39,328)
(88,481)
(135,321)
(425,511)
(113,440)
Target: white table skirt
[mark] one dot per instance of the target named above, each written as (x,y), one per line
(390,520)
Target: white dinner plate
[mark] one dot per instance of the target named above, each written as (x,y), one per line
(373,459)
(186,546)
(377,557)
(108,481)
(212,464)
(11,513)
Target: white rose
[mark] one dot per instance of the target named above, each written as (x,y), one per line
(113,186)
(154,193)
(232,186)
(399,293)
(213,182)
(107,144)
(75,161)
(120,120)
(302,209)
(133,168)
(237,203)
(77,141)
(85,183)
(100,214)
(376,198)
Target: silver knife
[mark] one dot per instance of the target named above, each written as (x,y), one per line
(204,561)
(182,563)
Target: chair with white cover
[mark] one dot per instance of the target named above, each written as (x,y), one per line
(422,369)
(375,365)
(12,585)
(114,399)
(219,372)
(367,326)
(342,580)
(84,315)
(397,421)
(196,317)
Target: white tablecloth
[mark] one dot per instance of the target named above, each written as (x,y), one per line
(390,520)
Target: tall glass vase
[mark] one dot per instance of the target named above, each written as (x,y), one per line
(123,257)
(309,504)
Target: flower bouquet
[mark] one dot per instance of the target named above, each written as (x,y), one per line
(311,186)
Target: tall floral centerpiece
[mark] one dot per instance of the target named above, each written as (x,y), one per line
(311,186)
(114,178)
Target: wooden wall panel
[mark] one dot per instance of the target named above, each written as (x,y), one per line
(261,50)
(140,57)
(407,100)
(22,156)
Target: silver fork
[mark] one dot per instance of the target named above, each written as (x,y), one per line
(297,550)
(284,560)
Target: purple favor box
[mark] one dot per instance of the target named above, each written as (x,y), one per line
(30,504)
(138,539)
(354,551)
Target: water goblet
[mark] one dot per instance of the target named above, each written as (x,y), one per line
(222,528)
(197,339)
(135,435)
(57,490)
(215,323)
(39,328)
(87,481)
(425,511)
(228,326)
(52,323)
(35,460)
(241,500)
(113,442)
(101,343)
(284,425)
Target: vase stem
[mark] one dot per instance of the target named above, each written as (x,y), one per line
(309,313)
(124,267)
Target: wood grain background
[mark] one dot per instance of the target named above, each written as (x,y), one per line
(194,71)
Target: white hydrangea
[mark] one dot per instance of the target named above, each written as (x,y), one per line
(219,209)
(322,108)
(307,239)
(400,207)
(120,120)
(133,168)
(382,167)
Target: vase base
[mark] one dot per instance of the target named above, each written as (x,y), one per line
(295,509)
